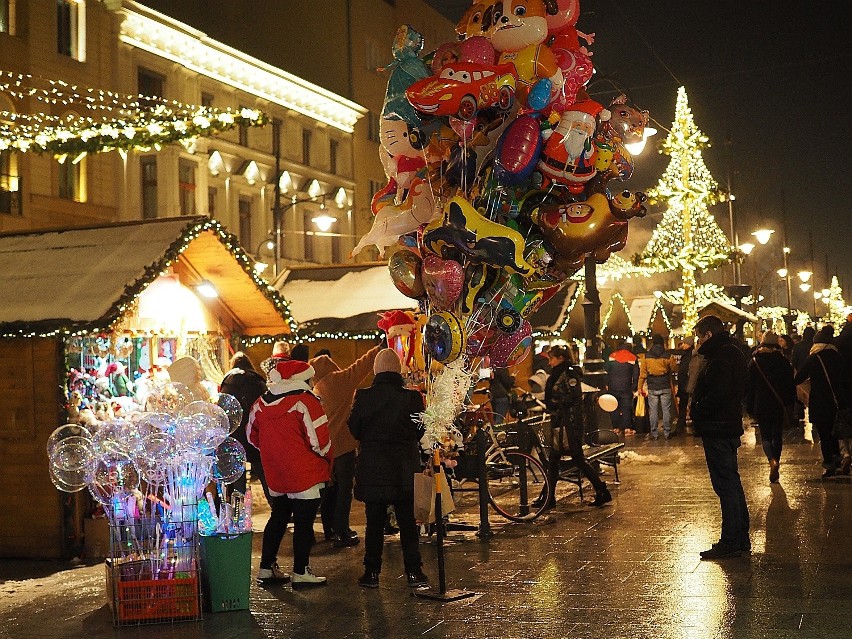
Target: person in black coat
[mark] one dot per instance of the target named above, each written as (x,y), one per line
(563,396)
(246,384)
(717,417)
(383,421)
(825,388)
(684,357)
(770,392)
(501,385)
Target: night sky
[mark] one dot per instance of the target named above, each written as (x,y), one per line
(768,82)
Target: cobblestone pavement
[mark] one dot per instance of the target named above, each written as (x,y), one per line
(629,570)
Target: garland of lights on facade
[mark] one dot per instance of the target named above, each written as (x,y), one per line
(113,318)
(114,121)
(687,238)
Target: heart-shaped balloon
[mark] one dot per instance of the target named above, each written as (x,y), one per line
(443,280)
(404,267)
(512,348)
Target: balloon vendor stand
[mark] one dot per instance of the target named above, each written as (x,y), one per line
(153,572)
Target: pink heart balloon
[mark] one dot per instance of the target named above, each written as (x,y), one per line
(443,280)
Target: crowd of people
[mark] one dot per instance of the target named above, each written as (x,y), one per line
(313,439)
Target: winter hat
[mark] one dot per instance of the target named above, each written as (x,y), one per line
(689,340)
(657,339)
(769,338)
(291,370)
(300,352)
(825,335)
(387,361)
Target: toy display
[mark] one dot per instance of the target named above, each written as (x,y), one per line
(498,164)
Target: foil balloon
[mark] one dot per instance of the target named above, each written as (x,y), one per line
(444,337)
(512,348)
(406,69)
(443,280)
(518,150)
(465,230)
(404,267)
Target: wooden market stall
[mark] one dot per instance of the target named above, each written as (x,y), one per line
(66,295)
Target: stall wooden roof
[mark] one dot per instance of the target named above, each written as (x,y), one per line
(83,279)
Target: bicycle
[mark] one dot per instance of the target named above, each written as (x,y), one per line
(518,485)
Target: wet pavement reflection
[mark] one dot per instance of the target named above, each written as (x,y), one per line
(629,570)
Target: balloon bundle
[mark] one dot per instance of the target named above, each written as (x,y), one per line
(149,472)
(498,164)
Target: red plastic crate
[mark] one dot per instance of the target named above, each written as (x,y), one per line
(157,600)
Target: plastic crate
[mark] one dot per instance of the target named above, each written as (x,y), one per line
(153,600)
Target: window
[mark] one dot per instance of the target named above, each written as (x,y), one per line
(150,84)
(243,131)
(306,147)
(245,221)
(206,99)
(373,127)
(212,196)
(71,28)
(186,186)
(333,146)
(72,177)
(7,16)
(148,166)
(308,215)
(10,202)
(375,55)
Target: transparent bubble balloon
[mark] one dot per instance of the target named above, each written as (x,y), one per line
(158,446)
(211,410)
(229,461)
(110,437)
(232,408)
(115,475)
(147,423)
(64,432)
(72,454)
(68,482)
(191,432)
(152,471)
(170,398)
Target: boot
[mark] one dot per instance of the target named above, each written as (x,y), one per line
(602,496)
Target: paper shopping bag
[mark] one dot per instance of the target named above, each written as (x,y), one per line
(447,503)
(424,497)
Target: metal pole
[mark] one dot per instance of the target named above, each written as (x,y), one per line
(276,206)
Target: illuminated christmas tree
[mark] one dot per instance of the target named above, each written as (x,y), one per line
(687,238)
(836,306)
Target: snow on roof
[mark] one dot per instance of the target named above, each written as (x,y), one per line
(341,293)
(77,274)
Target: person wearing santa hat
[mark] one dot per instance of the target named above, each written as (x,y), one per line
(290,427)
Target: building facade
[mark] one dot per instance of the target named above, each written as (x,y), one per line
(303,160)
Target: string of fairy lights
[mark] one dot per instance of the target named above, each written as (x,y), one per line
(101,120)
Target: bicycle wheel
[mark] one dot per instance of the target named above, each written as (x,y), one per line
(517,485)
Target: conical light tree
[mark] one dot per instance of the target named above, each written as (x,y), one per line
(687,238)
(836,306)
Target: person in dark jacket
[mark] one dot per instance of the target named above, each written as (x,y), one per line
(825,370)
(803,348)
(501,385)
(246,385)
(684,357)
(383,422)
(770,392)
(563,396)
(623,376)
(717,416)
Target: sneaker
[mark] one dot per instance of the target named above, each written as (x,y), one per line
(773,471)
(417,579)
(272,575)
(601,497)
(846,465)
(369,579)
(629,431)
(345,541)
(745,546)
(308,578)
(720,551)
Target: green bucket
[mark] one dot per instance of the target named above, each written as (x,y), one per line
(226,571)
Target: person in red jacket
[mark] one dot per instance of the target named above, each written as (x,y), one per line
(290,427)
